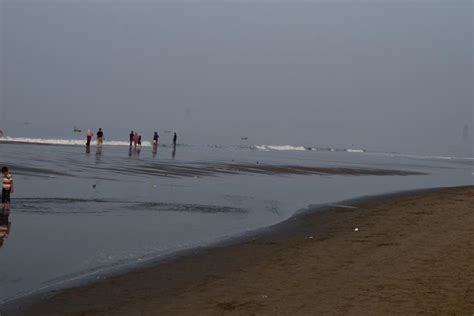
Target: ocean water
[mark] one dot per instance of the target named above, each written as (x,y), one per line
(77,214)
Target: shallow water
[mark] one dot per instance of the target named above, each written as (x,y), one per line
(76,213)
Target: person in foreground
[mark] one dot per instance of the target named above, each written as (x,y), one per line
(7,187)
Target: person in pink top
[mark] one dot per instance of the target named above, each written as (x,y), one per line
(136,137)
(89,136)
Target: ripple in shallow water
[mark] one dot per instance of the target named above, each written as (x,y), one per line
(76,206)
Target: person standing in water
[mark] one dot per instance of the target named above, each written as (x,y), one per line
(89,135)
(175,138)
(135,139)
(100,137)
(155,144)
(131,138)
(139,148)
(7,187)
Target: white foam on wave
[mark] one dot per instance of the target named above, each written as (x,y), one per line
(261,147)
(430,157)
(63,142)
(303,148)
(281,147)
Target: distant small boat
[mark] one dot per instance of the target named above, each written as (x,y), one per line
(77,130)
(244,138)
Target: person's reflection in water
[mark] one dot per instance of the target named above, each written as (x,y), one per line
(174,151)
(88,150)
(98,154)
(130,150)
(134,152)
(155,150)
(5,226)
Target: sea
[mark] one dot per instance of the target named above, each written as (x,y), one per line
(81,213)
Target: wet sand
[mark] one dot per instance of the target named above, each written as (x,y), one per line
(184,170)
(412,253)
(181,170)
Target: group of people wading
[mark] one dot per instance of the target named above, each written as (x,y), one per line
(135,138)
(90,134)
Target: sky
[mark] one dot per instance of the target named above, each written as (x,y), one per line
(380,75)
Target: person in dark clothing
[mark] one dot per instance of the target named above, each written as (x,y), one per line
(131,138)
(155,143)
(100,137)
(7,187)
(140,141)
(175,138)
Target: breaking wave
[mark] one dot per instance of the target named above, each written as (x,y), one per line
(304,148)
(81,142)
(63,142)
(281,147)
(428,157)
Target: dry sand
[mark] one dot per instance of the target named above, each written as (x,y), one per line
(413,253)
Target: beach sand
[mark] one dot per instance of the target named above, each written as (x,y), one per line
(412,253)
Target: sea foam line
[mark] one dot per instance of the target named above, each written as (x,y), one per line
(303,148)
(63,142)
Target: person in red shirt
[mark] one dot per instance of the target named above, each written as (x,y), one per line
(89,136)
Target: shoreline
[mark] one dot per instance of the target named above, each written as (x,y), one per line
(295,227)
(193,250)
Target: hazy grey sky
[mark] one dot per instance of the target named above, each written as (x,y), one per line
(385,75)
